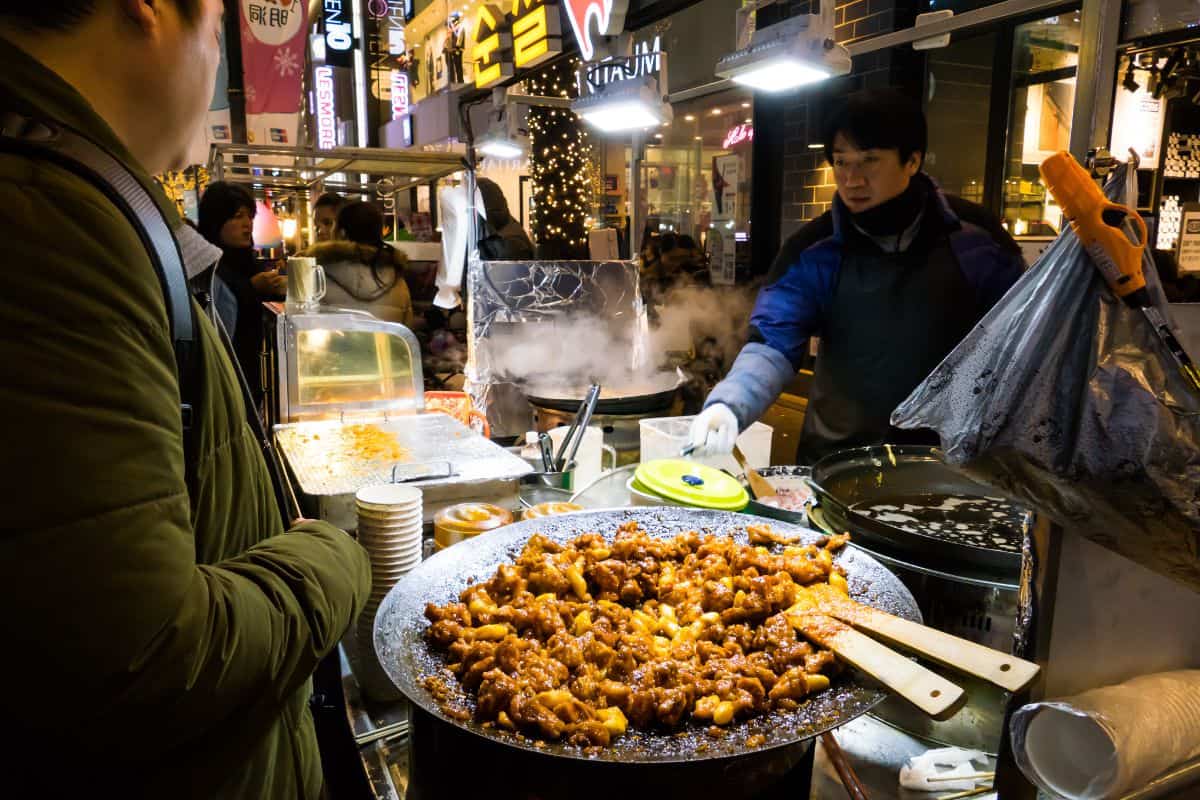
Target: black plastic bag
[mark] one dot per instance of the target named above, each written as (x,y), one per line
(1063,398)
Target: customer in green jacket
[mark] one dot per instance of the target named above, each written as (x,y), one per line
(156,636)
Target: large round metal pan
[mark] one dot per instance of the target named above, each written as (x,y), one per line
(871,475)
(407,659)
(657,393)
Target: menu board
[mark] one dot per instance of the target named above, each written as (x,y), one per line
(1189,238)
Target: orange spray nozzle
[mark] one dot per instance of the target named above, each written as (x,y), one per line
(1098,222)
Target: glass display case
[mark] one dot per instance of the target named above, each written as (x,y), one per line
(333,363)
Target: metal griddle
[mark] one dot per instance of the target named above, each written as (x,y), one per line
(868,477)
(407,658)
(320,457)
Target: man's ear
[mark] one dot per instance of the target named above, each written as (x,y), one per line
(913,165)
(142,13)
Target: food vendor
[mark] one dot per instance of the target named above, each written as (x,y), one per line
(890,279)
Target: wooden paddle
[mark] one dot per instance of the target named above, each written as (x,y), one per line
(759,486)
(928,691)
(1005,671)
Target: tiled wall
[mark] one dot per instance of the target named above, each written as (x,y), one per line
(807,181)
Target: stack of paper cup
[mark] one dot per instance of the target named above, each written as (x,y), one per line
(389,528)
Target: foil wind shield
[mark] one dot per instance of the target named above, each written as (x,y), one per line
(1064,399)
(565,323)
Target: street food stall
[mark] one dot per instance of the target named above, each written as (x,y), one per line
(512,666)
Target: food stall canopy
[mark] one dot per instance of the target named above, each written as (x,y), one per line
(298,168)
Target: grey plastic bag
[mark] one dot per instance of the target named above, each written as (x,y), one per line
(1063,398)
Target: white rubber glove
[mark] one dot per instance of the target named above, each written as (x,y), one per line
(714,431)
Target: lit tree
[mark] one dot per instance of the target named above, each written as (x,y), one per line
(560,166)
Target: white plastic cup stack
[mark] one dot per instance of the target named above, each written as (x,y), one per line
(389,528)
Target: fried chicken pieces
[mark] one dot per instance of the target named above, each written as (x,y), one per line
(578,642)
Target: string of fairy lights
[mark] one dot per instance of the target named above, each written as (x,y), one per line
(561,166)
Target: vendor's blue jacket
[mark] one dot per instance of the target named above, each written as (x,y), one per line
(886,312)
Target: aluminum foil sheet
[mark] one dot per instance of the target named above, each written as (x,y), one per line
(325,461)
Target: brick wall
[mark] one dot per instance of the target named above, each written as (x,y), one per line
(807,180)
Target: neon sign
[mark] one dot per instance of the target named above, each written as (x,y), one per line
(738,134)
(399,93)
(326,113)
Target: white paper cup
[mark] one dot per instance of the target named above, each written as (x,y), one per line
(388,497)
(400,518)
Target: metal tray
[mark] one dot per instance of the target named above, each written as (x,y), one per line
(320,456)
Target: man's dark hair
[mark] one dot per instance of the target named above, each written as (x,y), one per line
(361,223)
(330,200)
(62,17)
(877,119)
(220,203)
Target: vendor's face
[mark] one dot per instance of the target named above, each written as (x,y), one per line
(868,178)
(324,218)
(238,230)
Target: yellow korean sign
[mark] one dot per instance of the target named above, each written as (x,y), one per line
(525,37)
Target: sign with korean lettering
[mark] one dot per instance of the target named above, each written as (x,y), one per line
(272,34)
(491,47)
(536,32)
(338,24)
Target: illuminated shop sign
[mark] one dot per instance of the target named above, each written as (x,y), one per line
(738,134)
(326,112)
(338,20)
(609,17)
(400,104)
(527,35)
(645,61)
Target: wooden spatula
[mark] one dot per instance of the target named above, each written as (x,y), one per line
(1005,671)
(759,486)
(928,691)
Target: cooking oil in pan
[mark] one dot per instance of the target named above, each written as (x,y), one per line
(989,522)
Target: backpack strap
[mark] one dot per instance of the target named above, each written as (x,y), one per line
(58,144)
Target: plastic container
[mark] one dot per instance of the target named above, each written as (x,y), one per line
(467,520)
(664,437)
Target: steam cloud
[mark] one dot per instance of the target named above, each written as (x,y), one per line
(625,356)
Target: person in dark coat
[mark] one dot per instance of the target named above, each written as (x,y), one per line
(502,237)
(227,220)
(890,279)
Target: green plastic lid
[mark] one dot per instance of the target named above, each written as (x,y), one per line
(692,484)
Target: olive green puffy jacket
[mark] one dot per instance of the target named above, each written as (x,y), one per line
(157,642)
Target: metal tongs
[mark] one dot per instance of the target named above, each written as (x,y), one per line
(575,433)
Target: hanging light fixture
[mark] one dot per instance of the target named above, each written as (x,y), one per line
(626,93)
(789,54)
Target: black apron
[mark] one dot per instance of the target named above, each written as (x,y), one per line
(893,318)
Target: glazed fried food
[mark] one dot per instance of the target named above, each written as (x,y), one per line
(372,443)
(578,642)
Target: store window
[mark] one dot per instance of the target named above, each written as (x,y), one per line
(696,174)
(1045,57)
(998,104)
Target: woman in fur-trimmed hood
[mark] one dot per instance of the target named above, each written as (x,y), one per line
(362,271)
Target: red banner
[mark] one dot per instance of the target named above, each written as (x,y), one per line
(273,43)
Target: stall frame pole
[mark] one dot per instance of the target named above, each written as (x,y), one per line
(1096,77)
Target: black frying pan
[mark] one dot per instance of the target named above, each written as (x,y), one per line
(407,659)
(565,398)
(867,476)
